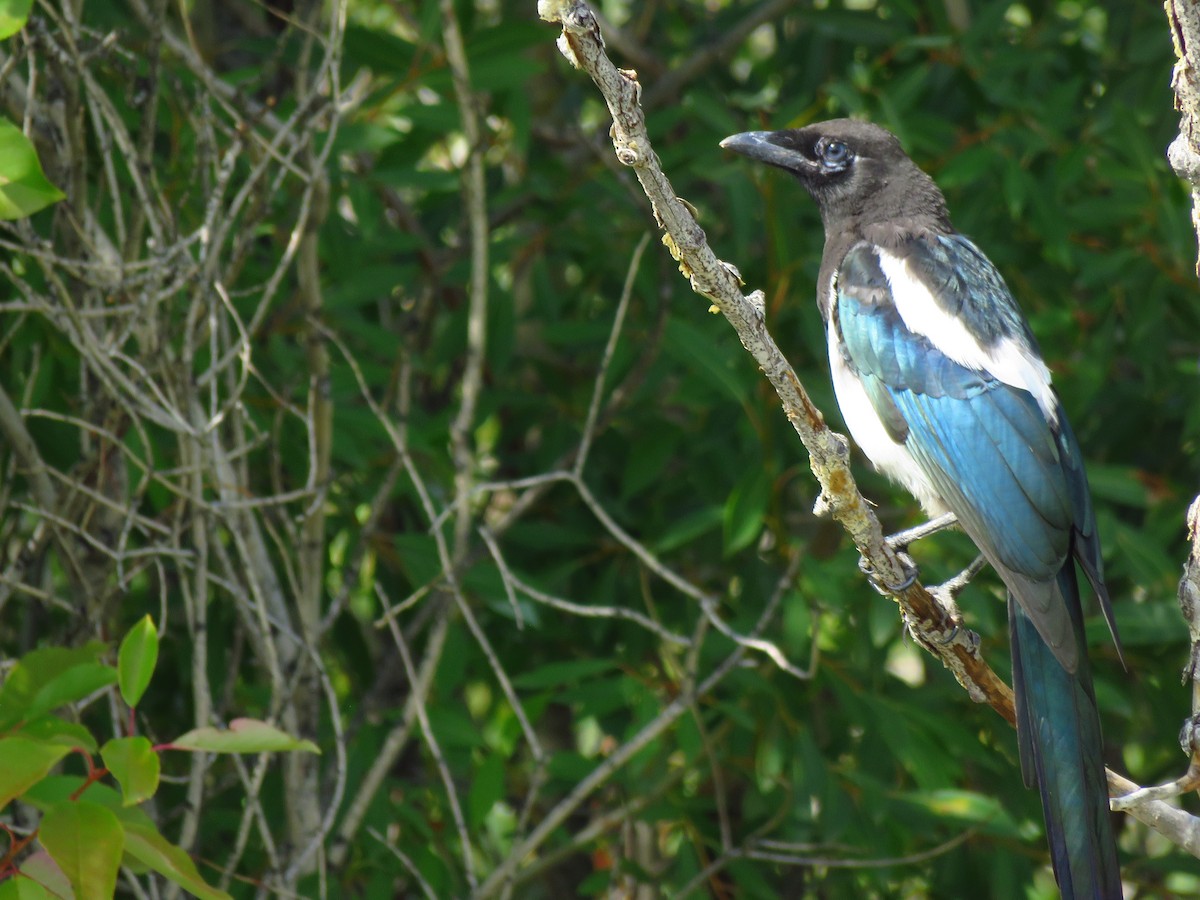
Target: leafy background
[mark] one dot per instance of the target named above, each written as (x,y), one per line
(484,712)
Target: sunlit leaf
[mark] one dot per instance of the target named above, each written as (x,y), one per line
(23,763)
(74,684)
(136,660)
(144,843)
(87,842)
(23,187)
(53,730)
(135,765)
(31,885)
(48,676)
(242,736)
(13,16)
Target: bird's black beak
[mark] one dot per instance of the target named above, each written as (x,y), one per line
(757,145)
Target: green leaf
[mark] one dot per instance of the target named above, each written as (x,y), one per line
(745,510)
(53,730)
(693,347)
(486,789)
(135,765)
(1119,484)
(567,672)
(74,684)
(144,843)
(58,789)
(46,678)
(23,763)
(968,807)
(687,527)
(29,887)
(13,16)
(242,736)
(23,187)
(39,867)
(87,842)
(136,660)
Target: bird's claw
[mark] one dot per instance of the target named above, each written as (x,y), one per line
(911,573)
(1189,735)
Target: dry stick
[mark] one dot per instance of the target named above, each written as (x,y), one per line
(406,862)
(196,600)
(593,413)
(1184,152)
(583,788)
(708,603)
(931,624)
(439,760)
(302,771)
(1189,736)
(1184,156)
(475,199)
(828,862)
(397,738)
(505,876)
(673,80)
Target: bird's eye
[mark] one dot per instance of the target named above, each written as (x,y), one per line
(834,153)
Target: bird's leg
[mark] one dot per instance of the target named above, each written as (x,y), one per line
(899,542)
(950,589)
(947,593)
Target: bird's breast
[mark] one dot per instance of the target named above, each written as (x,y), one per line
(887,455)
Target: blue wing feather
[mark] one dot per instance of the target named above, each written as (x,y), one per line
(985,446)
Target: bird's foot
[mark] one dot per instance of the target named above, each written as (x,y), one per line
(911,573)
(932,636)
(1189,736)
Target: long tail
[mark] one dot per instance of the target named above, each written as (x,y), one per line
(1058,731)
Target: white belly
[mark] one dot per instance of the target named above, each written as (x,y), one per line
(890,458)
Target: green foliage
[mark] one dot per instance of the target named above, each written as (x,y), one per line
(88,830)
(136,660)
(23,186)
(13,16)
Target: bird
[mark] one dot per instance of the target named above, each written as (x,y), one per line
(941,384)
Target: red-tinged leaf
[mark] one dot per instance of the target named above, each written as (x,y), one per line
(242,736)
(144,843)
(23,763)
(133,762)
(136,660)
(87,842)
(40,873)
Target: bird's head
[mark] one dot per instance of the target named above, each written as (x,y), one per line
(855,171)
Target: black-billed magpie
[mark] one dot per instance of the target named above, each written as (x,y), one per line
(941,384)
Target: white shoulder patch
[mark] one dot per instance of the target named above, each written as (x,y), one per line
(1010,361)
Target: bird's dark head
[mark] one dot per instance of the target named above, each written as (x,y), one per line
(855,171)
